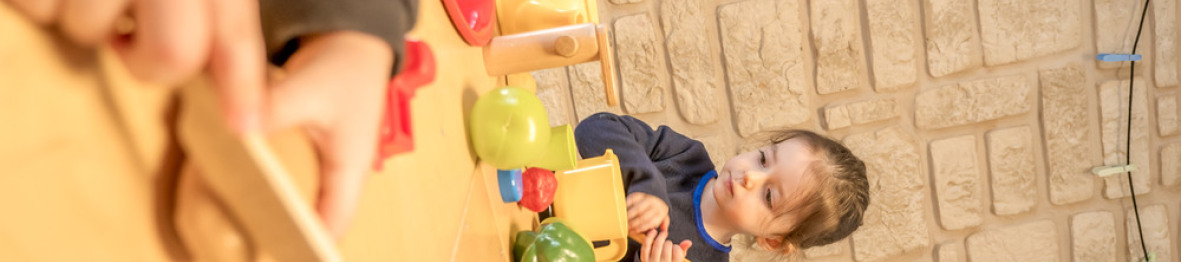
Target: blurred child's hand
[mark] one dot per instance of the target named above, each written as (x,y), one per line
(657,248)
(165,41)
(645,212)
(335,87)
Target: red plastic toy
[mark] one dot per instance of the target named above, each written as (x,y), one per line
(419,70)
(474,19)
(540,185)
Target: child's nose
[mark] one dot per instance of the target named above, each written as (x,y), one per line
(753,178)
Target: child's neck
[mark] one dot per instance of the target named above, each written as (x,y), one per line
(715,223)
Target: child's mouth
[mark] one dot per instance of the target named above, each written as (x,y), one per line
(729,185)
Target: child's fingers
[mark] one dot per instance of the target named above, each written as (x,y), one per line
(678,253)
(41,12)
(660,238)
(643,220)
(636,200)
(238,62)
(170,42)
(635,211)
(652,220)
(88,22)
(646,249)
(666,254)
(339,191)
(633,198)
(658,246)
(664,223)
(685,245)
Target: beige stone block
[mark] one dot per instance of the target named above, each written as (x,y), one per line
(1170,167)
(1035,241)
(956,177)
(698,94)
(1166,115)
(720,149)
(1065,115)
(1165,26)
(553,88)
(894,223)
(840,116)
(643,78)
(1113,29)
(893,39)
(949,252)
(837,117)
(586,84)
(973,101)
(833,249)
(836,34)
(1013,170)
(1113,99)
(767,63)
(952,44)
(624,2)
(1092,237)
(1017,30)
(1154,220)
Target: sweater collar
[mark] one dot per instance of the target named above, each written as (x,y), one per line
(697,213)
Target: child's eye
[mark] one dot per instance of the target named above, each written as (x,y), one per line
(768,197)
(762,158)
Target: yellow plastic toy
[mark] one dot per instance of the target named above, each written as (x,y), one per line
(519,16)
(591,198)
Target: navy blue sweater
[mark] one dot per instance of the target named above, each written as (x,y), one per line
(660,162)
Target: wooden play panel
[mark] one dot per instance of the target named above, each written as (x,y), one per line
(83,146)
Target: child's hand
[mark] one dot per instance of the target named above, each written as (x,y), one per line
(335,87)
(645,212)
(167,41)
(657,248)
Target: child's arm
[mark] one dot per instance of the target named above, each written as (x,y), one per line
(640,150)
(284,22)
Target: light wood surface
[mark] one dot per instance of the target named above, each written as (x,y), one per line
(83,147)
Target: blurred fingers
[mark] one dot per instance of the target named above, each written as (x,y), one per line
(90,22)
(170,42)
(42,12)
(238,62)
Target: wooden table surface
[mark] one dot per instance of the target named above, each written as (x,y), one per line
(81,143)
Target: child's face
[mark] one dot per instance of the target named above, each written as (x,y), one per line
(753,184)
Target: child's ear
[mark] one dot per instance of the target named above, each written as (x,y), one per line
(774,244)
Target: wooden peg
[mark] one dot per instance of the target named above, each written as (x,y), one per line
(524,52)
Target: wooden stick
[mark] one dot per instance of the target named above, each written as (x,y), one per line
(607,62)
(247,173)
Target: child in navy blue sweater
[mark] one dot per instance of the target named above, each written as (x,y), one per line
(802,190)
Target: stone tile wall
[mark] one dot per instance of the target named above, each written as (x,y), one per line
(979,120)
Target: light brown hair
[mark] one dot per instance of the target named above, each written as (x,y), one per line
(832,208)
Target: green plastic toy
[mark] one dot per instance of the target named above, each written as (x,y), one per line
(510,129)
(554,243)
